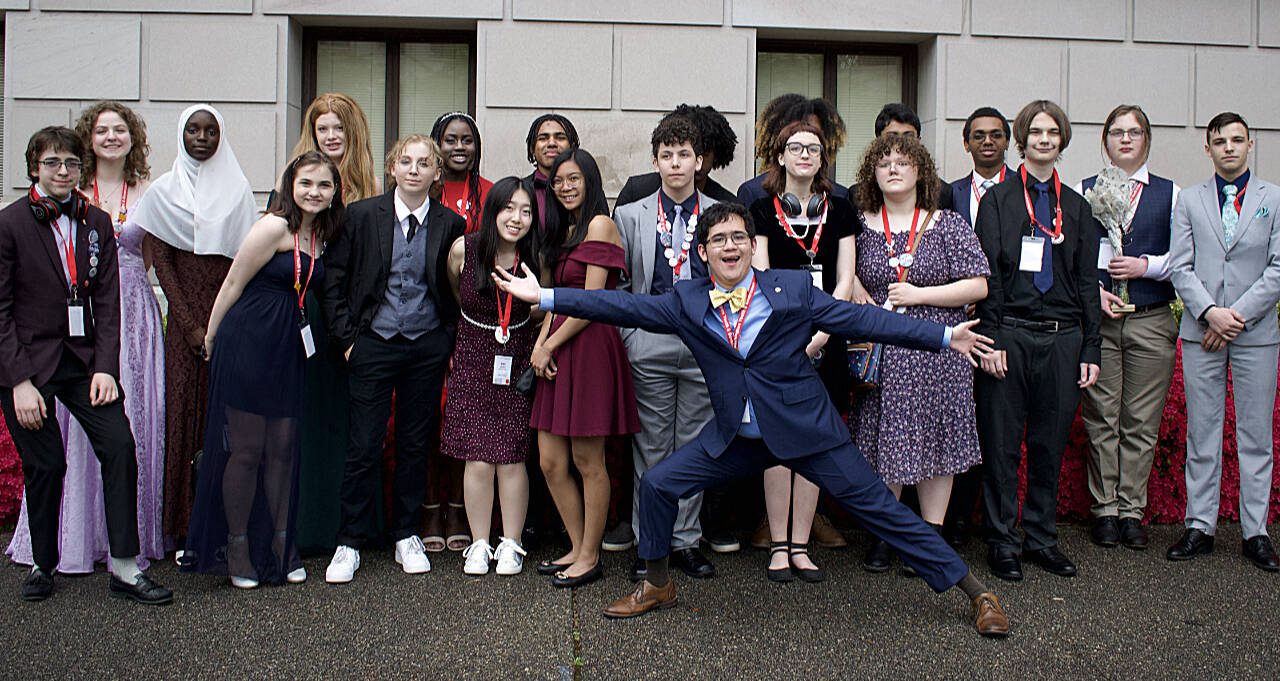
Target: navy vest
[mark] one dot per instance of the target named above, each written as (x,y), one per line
(1149,234)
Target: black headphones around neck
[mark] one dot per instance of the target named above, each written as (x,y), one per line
(46,210)
(791,205)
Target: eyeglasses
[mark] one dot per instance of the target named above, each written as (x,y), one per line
(569,182)
(1134,134)
(720,240)
(423,164)
(890,165)
(73,164)
(796,149)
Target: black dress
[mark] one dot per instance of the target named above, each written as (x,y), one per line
(785,253)
(243,522)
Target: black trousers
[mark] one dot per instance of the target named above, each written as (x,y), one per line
(412,370)
(44,462)
(1037,398)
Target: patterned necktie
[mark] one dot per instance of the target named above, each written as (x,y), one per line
(1044,278)
(736,298)
(678,226)
(413,226)
(1230,217)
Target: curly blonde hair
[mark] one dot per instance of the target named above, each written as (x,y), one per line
(928,186)
(136,168)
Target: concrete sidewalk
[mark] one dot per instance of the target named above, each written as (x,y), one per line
(1128,615)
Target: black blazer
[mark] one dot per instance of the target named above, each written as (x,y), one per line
(33,297)
(358,262)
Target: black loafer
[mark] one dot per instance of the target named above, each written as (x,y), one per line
(1260,552)
(1192,543)
(1004,563)
(37,586)
(1052,560)
(561,581)
(1105,532)
(639,571)
(877,558)
(693,563)
(957,533)
(145,591)
(1132,536)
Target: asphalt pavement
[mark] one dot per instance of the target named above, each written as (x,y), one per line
(1128,615)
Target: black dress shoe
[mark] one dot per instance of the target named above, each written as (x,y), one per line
(1260,552)
(1052,560)
(877,558)
(957,532)
(1132,536)
(639,570)
(561,581)
(145,591)
(37,586)
(1004,563)
(693,563)
(780,575)
(1192,543)
(811,575)
(1105,532)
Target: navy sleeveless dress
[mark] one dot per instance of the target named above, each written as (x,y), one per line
(246,481)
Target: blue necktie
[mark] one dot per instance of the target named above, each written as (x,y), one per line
(1044,278)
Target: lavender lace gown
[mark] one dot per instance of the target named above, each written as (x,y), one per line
(83,522)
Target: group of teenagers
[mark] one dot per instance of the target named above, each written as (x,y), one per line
(504,331)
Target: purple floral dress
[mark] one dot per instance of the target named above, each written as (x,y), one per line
(920,424)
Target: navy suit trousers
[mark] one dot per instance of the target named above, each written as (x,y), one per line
(841,472)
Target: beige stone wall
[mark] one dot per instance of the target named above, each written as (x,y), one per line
(613,67)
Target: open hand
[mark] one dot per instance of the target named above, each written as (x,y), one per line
(966,341)
(525,288)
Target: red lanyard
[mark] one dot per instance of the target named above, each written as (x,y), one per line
(911,241)
(683,252)
(1134,197)
(812,250)
(974,185)
(504,314)
(1056,235)
(298,286)
(734,333)
(68,245)
(1240,197)
(124,203)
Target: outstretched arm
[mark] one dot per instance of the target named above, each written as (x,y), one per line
(852,320)
(658,314)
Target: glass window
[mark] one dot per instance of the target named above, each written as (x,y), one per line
(434,80)
(358,70)
(858,84)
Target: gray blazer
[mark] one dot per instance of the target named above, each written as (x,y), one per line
(638,224)
(1245,277)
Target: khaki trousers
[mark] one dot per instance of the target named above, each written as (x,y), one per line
(1123,410)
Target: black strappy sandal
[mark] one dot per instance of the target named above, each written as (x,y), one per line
(780,575)
(811,575)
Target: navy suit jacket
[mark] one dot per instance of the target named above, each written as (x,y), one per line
(962,192)
(795,416)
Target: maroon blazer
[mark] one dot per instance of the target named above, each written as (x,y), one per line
(34,294)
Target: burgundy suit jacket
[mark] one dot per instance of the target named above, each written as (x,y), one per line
(34,294)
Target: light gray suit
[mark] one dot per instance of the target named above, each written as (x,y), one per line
(1246,278)
(671,394)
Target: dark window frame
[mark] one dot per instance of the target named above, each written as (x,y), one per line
(391,39)
(831,50)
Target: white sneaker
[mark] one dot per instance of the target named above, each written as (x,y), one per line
(478,556)
(244,583)
(297,576)
(412,555)
(510,557)
(342,568)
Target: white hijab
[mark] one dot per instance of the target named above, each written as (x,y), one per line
(202,207)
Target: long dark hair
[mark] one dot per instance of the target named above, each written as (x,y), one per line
(329,221)
(557,239)
(473,173)
(486,240)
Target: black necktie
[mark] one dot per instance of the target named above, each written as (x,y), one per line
(413,226)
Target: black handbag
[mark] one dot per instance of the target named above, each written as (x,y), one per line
(526,382)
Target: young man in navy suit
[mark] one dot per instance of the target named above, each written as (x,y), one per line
(748,330)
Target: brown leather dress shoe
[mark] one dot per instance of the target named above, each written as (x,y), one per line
(826,535)
(646,597)
(988,616)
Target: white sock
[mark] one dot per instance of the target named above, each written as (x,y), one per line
(125,569)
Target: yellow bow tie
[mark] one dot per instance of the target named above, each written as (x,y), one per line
(736,298)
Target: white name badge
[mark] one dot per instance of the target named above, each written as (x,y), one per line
(75,319)
(815,271)
(308,343)
(1105,254)
(1032,254)
(502,370)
